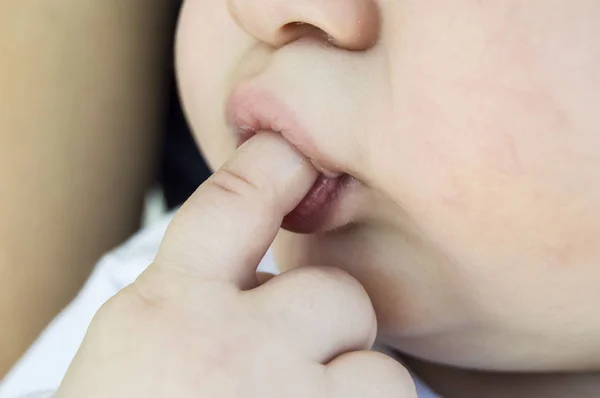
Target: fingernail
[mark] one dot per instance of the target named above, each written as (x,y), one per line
(280,157)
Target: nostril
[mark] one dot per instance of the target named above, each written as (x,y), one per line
(352,25)
(294,30)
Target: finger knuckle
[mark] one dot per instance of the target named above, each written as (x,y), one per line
(129,302)
(323,277)
(243,190)
(394,372)
(337,283)
(122,308)
(388,371)
(235,183)
(359,371)
(331,289)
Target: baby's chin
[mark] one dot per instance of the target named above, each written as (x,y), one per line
(495,347)
(422,314)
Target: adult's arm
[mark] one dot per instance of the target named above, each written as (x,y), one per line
(82,91)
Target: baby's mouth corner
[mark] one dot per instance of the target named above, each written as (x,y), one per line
(328,172)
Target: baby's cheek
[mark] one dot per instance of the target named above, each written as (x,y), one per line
(482,216)
(494,152)
(492,190)
(514,240)
(494,176)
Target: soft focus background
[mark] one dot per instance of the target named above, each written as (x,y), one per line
(93,146)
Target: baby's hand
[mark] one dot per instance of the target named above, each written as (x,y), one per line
(198,324)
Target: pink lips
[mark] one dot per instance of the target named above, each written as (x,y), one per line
(250,111)
(313,212)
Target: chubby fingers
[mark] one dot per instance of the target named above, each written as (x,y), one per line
(321,312)
(369,374)
(227,225)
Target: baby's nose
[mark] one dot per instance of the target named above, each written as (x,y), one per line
(349,24)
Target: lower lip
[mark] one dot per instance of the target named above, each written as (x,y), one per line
(316,210)
(315,213)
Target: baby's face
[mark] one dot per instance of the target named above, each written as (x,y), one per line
(473,129)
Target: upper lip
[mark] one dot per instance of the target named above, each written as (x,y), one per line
(250,110)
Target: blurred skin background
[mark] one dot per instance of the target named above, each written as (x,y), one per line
(89,122)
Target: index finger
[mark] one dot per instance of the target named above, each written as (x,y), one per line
(225,228)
